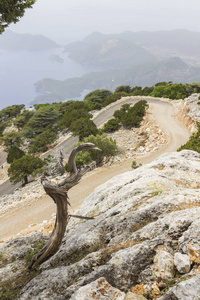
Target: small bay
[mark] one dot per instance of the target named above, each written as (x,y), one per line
(19,70)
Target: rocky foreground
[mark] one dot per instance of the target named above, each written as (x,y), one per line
(143,243)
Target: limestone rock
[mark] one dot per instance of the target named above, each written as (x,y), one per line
(185,290)
(98,289)
(142,218)
(133,296)
(182,262)
(164,267)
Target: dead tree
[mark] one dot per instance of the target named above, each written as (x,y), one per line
(58,192)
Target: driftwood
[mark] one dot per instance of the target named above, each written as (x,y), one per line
(58,192)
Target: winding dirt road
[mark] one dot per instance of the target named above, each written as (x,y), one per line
(42,209)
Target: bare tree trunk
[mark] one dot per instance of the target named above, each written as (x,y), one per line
(25,180)
(58,192)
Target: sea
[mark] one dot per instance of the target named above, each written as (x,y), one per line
(20,70)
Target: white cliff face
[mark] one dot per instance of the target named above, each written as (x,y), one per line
(143,242)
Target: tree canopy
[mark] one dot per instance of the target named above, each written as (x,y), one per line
(10,139)
(21,168)
(42,118)
(96,98)
(83,127)
(14,153)
(12,10)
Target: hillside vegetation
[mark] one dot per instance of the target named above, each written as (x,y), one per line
(35,130)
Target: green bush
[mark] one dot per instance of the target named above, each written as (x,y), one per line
(108,148)
(10,139)
(134,164)
(14,153)
(172,91)
(75,111)
(41,119)
(96,98)
(116,96)
(83,127)
(134,115)
(21,120)
(137,91)
(123,88)
(21,168)
(10,112)
(41,142)
(2,128)
(194,141)
(111,125)
(118,114)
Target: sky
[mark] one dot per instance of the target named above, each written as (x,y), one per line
(70,20)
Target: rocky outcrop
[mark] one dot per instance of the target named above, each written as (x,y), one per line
(145,228)
(188,111)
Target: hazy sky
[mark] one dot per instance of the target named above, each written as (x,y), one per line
(67,20)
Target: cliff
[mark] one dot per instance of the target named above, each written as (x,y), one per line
(143,242)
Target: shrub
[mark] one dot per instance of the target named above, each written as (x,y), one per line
(21,120)
(123,88)
(75,111)
(41,119)
(42,141)
(111,125)
(194,141)
(118,114)
(10,112)
(172,91)
(108,148)
(134,164)
(83,127)
(96,98)
(114,97)
(2,128)
(21,168)
(14,153)
(10,139)
(134,115)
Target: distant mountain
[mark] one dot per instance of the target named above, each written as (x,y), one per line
(15,42)
(174,42)
(130,48)
(173,69)
(133,58)
(108,51)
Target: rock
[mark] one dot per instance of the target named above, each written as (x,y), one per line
(182,262)
(141,218)
(164,267)
(185,290)
(99,289)
(132,296)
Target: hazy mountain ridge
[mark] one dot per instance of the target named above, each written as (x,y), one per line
(108,51)
(133,58)
(16,42)
(160,44)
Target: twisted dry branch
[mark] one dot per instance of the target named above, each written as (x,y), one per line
(58,192)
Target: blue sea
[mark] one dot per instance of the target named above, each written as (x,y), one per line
(20,70)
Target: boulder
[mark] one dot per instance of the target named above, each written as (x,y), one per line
(98,289)
(142,218)
(185,290)
(182,262)
(164,268)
